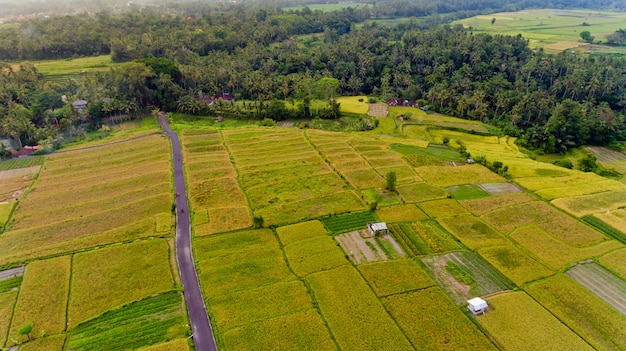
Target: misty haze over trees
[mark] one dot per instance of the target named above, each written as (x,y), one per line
(258,52)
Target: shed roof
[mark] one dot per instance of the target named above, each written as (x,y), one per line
(378,226)
(477,303)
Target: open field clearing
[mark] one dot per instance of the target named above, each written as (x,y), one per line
(298,331)
(395,277)
(43,298)
(143,323)
(107,278)
(442,208)
(420,192)
(378,110)
(542,215)
(176,345)
(353,313)
(479,207)
(313,255)
(18,163)
(514,314)
(48,343)
(554,253)
(402,213)
(348,221)
(602,283)
(514,264)
(500,188)
(368,249)
(432,322)
(600,325)
(11,189)
(589,204)
(351,104)
(464,275)
(423,238)
(472,231)
(554,30)
(59,69)
(606,155)
(239,308)
(467,192)
(300,231)
(444,177)
(7,301)
(616,262)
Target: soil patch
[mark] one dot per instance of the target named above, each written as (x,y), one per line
(602,283)
(500,188)
(377,110)
(360,249)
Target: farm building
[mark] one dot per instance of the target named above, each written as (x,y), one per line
(477,305)
(377,228)
(79,104)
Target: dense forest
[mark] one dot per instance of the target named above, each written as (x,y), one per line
(269,56)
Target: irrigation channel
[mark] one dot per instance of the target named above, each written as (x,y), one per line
(202,333)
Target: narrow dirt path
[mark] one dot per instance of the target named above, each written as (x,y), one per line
(202,333)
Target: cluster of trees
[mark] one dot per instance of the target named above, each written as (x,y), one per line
(268,57)
(617,38)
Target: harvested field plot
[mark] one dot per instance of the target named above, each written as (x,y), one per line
(147,322)
(402,213)
(482,206)
(353,313)
(436,324)
(424,238)
(602,283)
(600,325)
(584,205)
(500,188)
(239,308)
(514,314)
(395,277)
(464,275)
(377,110)
(43,297)
(472,231)
(605,154)
(616,262)
(554,253)
(514,264)
(313,255)
(348,221)
(114,276)
(442,208)
(467,192)
(300,231)
(444,177)
(360,249)
(558,225)
(420,192)
(12,188)
(298,331)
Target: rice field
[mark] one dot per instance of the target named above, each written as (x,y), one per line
(445,176)
(402,213)
(601,326)
(615,262)
(176,345)
(48,343)
(442,208)
(349,221)
(110,277)
(616,219)
(512,315)
(431,322)
(472,231)
(515,264)
(585,205)
(419,192)
(7,302)
(300,231)
(602,283)
(395,277)
(479,207)
(467,192)
(314,255)
(423,238)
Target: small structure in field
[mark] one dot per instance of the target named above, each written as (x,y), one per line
(477,305)
(79,104)
(379,228)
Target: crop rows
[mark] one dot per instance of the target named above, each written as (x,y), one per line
(10,284)
(605,228)
(488,278)
(395,276)
(21,162)
(143,323)
(350,221)
(410,247)
(602,283)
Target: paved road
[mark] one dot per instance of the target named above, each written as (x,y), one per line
(203,336)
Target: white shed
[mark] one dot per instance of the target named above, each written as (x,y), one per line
(377,228)
(477,305)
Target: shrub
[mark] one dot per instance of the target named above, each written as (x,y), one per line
(391,181)
(564,163)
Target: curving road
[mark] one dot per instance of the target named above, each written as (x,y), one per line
(201,330)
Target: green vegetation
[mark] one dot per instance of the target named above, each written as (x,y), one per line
(143,323)
(22,162)
(10,284)
(7,301)
(438,152)
(313,255)
(395,277)
(442,208)
(421,192)
(403,213)
(466,192)
(350,221)
(605,228)
(48,343)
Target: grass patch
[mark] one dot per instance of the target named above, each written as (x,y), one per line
(349,221)
(442,208)
(10,284)
(395,277)
(22,162)
(402,213)
(605,228)
(472,231)
(432,151)
(582,311)
(110,277)
(240,308)
(353,313)
(142,323)
(313,255)
(420,192)
(297,331)
(467,192)
(514,314)
(515,264)
(432,322)
(7,302)
(616,262)
(43,297)
(300,231)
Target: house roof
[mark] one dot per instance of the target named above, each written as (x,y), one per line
(79,103)
(378,226)
(477,303)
